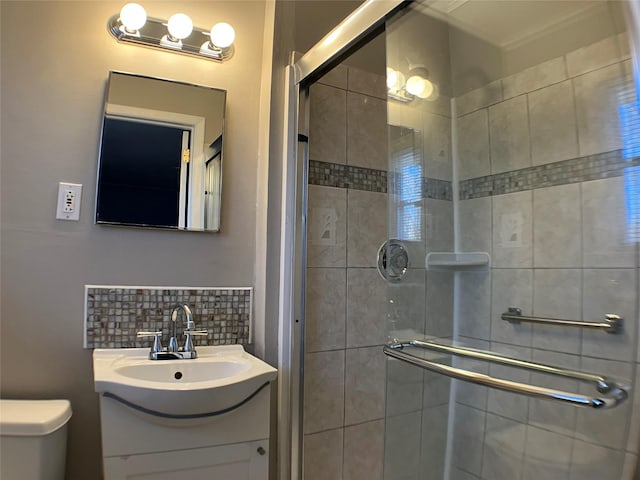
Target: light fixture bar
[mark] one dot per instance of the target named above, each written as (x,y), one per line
(151,35)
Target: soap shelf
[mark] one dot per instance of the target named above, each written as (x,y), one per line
(452,261)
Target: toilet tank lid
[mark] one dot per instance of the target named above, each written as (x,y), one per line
(33,417)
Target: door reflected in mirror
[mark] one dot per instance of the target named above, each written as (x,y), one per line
(160,162)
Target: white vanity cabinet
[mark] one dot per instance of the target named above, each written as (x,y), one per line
(232,446)
(225,462)
(205,418)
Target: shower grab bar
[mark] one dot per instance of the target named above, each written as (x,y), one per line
(611,323)
(613,394)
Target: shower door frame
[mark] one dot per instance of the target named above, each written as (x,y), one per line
(354,30)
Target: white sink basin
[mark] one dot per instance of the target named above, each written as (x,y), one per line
(219,379)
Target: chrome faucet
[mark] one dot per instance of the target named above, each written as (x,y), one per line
(173,350)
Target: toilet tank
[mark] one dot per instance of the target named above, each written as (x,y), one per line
(33,439)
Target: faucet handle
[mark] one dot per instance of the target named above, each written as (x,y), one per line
(157,345)
(188,343)
(196,332)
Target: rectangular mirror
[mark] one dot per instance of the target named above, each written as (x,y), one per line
(160,162)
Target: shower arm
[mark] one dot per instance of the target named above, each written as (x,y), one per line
(613,394)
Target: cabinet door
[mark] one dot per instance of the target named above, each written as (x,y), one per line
(241,461)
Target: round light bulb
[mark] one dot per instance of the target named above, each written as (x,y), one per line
(222,35)
(133,16)
(395,79)
(180,26)
(419,86)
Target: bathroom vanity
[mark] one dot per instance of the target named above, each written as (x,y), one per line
(190,419)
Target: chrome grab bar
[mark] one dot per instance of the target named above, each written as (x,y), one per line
(613,394)
(611,323)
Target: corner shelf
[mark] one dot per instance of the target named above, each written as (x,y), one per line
(452,261)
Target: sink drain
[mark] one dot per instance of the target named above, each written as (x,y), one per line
(177,375)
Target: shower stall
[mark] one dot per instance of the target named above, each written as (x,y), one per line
(463,222)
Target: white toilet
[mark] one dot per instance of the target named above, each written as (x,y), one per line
(33,439)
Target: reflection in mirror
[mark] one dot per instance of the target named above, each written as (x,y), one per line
(160,159)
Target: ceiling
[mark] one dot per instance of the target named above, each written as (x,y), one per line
(510,23)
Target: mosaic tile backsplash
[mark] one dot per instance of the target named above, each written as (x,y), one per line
(114,314)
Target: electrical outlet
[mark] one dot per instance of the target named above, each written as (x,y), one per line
(69,201)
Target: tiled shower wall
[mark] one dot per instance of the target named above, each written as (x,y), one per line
(542,190)
(350,310)
(114,314)
(529,156)
(344,371)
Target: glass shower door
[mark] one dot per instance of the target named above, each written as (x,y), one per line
(514,192)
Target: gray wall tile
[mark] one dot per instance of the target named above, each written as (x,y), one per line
(629,467)
(511,288)
(327,227)
(406,304)
(556,227)
(402,446)
(434,440)
(366,308)
(553,124)
(475,225)
(473,145)
(366,131)
(364,385)
(324,391)
(437,146)
(326,309)
(323,455)
(532,78)
(600,54)
(468,428)
(607,428)
(367,83)
(479,98)
(439,304)
(610,291)
(468,393)
(438,225)
(512,230)
(557,294)
(504,448)
(605,225)
(590,462)
(547,455)
(328,124)
(364,451)
(549,415)
(405,385)
(509,133)
(474,305)
(633,442)
(507,404)
(336,77)
(597,99)
(366,227)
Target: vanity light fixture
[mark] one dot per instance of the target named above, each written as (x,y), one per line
(416,85)
(178,34)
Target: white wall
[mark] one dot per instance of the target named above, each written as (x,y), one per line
(55,61)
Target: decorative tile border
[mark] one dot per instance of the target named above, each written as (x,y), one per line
(358,178)
(437,189)
(575,170)
(114,314)
(347,176)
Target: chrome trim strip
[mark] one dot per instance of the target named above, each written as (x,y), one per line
(352,29)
